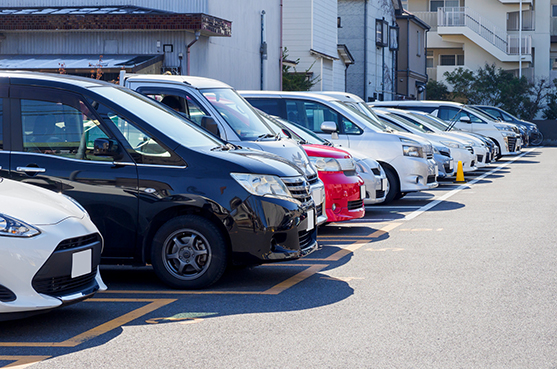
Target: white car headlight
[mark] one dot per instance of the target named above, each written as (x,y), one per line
(507,134)
(452,144)
(332,165)
(414,151)
(262,185)
(12,227)
(325,164)
(503,128)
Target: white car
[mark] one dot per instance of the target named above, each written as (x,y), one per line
(406,159)
(49,251)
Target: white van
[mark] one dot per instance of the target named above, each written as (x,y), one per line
(407,159)
(472,120)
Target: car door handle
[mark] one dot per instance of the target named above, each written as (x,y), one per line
(30,169)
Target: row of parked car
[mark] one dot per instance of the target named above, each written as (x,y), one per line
(184,174)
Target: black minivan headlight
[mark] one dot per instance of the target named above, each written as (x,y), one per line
(262,185)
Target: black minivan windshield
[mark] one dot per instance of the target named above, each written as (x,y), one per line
(156,115)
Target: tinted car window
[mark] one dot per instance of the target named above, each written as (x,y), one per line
(1,123)
(60,129)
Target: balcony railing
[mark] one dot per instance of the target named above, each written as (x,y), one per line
(464,17)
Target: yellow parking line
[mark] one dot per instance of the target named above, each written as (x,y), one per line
(347,250)
(275,290)
(281,287)
(101,329)
(21,362)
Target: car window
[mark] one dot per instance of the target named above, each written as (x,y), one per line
(451,114)
(184,104)
(239,115)
(60,129)
(312,114)
(1,124)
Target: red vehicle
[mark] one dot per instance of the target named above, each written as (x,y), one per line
(344,189)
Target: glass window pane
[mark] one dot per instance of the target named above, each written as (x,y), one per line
(434,4)
(317,114)
(447,60)
(1,124)
(460,60)
(60,129)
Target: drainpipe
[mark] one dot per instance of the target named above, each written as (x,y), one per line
(280,54)
(365,51)
(520,40)
(263,51)
(197,34)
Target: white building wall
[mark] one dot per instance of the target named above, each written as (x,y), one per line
(307,25)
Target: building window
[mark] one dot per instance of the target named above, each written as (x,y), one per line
(339,23)
(554,10)
(429,59)
(451,59)
(393,37)
(381,32)
(404,4)
(436,4)
(419,43)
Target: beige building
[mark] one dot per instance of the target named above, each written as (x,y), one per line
(471,33)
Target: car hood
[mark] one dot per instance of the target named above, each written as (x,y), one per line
(287,149)
(35,205)
(358,155)
(325,151)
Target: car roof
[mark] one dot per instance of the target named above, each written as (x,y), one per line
(22,77)
(292,94)
(194,81)
(415,103)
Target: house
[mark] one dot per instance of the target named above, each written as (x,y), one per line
(239,45)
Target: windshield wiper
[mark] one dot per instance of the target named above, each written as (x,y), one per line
(226,147)
(266,135)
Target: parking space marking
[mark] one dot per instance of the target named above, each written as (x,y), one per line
(347,250)
(153,305)
(275,290)
(21,362)
(463,186)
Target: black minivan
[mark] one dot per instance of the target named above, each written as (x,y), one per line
(161,191)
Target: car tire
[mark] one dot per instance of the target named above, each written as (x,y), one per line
(189,252)
(394,185)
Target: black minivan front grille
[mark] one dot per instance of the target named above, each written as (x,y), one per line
(299,188)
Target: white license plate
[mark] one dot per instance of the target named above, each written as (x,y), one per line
(311,220)
(81,263)
(362,192)
(317,196)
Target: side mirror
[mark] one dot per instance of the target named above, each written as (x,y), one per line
(210,125)
(106,147)
(329,127)
(465,119)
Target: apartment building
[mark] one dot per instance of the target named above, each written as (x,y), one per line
(515,35)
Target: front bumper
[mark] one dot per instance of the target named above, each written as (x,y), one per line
(344,196)
(416,174)
(57,267)
(267,229)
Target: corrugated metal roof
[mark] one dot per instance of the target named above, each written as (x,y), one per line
(44,62)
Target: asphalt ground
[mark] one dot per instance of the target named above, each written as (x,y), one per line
(462,276)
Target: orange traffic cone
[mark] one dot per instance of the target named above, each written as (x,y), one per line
(460,174)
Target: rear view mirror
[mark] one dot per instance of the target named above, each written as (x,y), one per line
(329,127)
(210,125)
(106,147)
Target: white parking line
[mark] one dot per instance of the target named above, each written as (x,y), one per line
(461,187)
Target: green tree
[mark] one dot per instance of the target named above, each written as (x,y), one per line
(436,91)
(293,80)
(461,81)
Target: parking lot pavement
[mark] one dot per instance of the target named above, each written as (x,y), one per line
(330,293)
